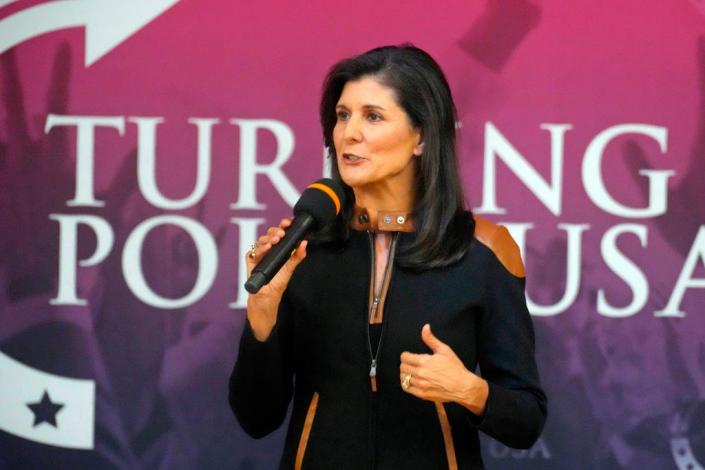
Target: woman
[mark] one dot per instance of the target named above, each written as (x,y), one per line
(378,333)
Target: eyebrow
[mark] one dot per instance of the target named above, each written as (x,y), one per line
(364,106)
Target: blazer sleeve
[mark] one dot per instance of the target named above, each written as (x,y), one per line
(516,407)
(261,383)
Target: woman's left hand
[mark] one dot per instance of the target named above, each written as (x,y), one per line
(442,376)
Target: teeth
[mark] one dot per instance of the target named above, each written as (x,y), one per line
(352,157)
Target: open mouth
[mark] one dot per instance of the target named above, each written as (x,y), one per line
(351,157)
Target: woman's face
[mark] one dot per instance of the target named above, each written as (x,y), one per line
(374,140)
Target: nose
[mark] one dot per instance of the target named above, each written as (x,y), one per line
(353,130)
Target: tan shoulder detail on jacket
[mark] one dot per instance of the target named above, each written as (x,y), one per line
(497,238)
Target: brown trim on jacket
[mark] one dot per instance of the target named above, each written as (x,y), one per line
(387,221)
(447,436)
(308,422)
(388,270)
(500,242)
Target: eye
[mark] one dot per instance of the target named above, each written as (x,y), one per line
(374,117)
(342,115)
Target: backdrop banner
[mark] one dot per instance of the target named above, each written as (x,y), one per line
(145,145)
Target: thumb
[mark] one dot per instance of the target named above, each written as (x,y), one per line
(297,256)
(430,339)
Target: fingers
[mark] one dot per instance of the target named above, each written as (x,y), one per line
(407,369)
(412,359)
(266,242)
(296,257)
(435,376)
(419,392)
(417,386)
(299,253)
(412,390)
(258,250)
(420,384)
(417,374)
(411,365)
(435,344)
(275,234)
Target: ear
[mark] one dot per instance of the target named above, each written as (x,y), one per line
(418,150)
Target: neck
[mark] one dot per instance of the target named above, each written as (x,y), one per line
(384,199)
(386,211)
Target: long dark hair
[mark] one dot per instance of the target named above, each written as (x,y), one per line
(443,227)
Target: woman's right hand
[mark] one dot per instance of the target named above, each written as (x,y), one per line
(262,307)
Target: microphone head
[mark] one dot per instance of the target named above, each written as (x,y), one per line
(323,199)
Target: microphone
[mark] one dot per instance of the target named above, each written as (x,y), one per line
(318,206)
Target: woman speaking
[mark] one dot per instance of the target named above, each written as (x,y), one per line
(377,325)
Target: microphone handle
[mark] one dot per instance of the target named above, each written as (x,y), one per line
(273,261)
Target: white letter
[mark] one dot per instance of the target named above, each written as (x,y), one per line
(85,133)
(573,257)
(249,168)
(248,236)
(497,144)
(146,171)
(658,179)
(685,278)
(624,268)
(132,261)
(68,230)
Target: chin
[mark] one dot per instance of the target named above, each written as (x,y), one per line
(351,180)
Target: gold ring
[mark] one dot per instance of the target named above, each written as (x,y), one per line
(406,381)
(253,250)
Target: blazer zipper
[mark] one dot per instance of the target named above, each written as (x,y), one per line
(377,302)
